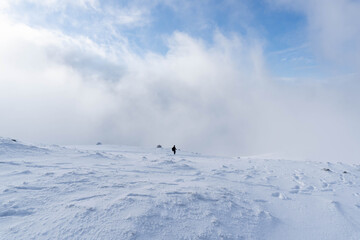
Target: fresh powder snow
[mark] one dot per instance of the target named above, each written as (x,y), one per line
(118,192)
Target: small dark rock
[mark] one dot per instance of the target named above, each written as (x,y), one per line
(159,146)
(327,169)
(98,143)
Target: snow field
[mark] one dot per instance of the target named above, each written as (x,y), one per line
(112,192)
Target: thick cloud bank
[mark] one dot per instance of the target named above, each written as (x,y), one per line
(217,98)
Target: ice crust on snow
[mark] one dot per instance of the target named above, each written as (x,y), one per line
(114,192)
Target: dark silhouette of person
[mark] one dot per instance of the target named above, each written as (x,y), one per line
(174,149)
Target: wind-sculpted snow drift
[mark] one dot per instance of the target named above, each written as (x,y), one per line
(112,192)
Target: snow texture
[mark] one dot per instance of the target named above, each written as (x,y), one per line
(113,192)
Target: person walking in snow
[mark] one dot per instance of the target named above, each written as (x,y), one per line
(174,149)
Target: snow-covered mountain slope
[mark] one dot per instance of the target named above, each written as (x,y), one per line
(112,192)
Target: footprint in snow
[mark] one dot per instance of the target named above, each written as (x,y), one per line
(308,190)
(295,189)
(280,196)
(298,177)
(326,186)
(269,179)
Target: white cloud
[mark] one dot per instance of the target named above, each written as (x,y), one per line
(205,97)
(152,99)
(42,98)
(4,5)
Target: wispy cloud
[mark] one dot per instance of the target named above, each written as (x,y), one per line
(54,5)
(290,50)
(333,29)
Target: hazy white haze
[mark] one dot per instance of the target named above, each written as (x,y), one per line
(72,73)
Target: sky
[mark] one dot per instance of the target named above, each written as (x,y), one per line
(223,77)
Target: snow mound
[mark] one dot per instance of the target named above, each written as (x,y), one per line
(13,148)
(112,192)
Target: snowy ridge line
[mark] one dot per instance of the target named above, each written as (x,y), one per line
(13,148)
(117,192)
